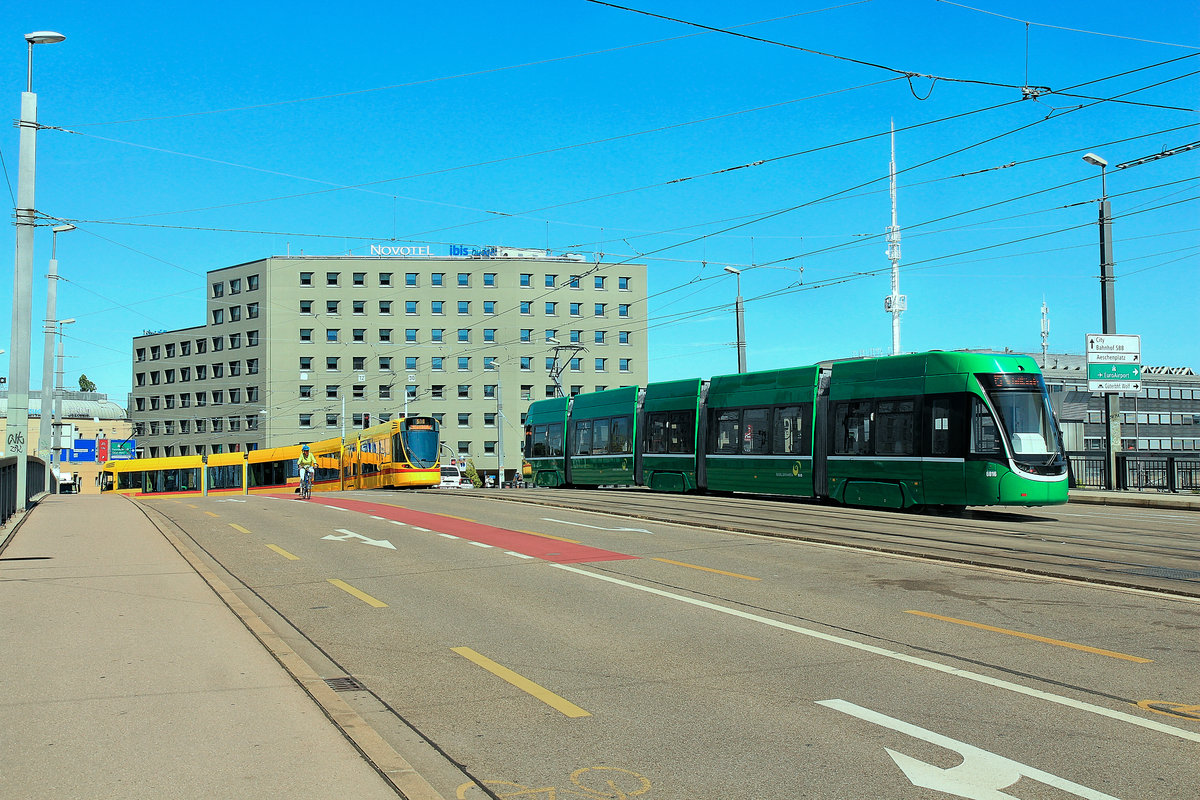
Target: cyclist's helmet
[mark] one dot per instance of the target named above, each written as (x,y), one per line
(305,448)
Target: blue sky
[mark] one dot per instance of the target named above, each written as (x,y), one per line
(197,136)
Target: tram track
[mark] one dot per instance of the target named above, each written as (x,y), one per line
(1154,560)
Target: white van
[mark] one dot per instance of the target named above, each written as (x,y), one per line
(454,478)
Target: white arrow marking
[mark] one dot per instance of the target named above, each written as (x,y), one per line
(595,528)
(347,535)
(980,776)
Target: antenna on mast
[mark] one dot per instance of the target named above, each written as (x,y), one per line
(1045,331)
(895,303)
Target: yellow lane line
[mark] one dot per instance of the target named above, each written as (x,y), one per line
(238,528)
(366,598)
(706,569)
(548,536)
(1085,648)
(211,514)
(284,553)
(548,697)
(451,516)
(192,505)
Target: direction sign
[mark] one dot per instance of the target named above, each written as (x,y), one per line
(1114,362)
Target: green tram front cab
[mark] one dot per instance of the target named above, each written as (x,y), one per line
(942,429)
(668,426)
(545,438)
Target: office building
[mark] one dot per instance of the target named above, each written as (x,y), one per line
(303,348)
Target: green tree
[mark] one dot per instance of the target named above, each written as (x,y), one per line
(86,385)
(473,474)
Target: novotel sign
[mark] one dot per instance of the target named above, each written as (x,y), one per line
(400,250)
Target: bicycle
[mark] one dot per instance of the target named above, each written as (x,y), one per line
(305,484)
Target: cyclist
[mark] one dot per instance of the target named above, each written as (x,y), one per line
(308,465)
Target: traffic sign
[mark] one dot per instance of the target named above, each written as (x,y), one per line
(1114,362)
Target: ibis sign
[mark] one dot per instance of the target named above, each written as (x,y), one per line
(1114,362)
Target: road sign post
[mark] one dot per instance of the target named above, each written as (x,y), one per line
(1114,364)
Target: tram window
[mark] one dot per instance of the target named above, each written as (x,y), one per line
(852,429)
(226,477)
(271,473)
(554,439)
(129,480)
(939,427)
(726,426)
(985,439)
(621,439)
(537,442)
(790,434)
(756,425)
(601,436)
(583,438)
(656,432)
(894,428)
(681,432)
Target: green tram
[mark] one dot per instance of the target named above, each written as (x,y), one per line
(926,429)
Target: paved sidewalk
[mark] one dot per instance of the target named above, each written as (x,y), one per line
(1176,501)
(125,675)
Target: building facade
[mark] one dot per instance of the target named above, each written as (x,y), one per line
(299,349)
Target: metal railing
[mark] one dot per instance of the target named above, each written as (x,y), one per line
(35,482)
(1166,472)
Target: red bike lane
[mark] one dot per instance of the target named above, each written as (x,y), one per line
(529,544)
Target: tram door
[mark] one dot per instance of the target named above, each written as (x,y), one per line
(350,467)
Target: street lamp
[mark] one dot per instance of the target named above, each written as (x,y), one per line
(18,367)
(1108,310)
(48,343)
(56,420)
(740,312)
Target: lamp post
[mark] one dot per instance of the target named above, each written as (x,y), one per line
(740,312)
(1108,311)
(44,444)
(18,366)
(56,420)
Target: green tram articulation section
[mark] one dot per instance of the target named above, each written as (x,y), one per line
(926,429)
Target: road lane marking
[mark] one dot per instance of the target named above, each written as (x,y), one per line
(1179,710)
(481,544)
(917,661)
(595,527)
(347,535)
(284,553)
(1085,648)
(518,555)
(398,522)
(366,598)
(706,569)
(448,535)
(980,774)
(559,704)
(451,516)
(211,514)
(238,528)
(555,538)
(192,505)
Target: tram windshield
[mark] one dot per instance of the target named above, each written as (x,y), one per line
(421,443)
(1024,410)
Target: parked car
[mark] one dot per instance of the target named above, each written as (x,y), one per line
(453,477)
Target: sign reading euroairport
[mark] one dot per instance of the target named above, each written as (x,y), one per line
(1114,362)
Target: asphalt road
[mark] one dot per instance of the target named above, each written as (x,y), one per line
(545,651)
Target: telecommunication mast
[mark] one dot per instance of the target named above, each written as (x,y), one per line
(895,303)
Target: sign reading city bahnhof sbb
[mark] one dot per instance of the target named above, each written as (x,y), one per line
(1114,362)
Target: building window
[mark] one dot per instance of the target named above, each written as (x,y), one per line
(252,366)
(436,363)
(410,279)
(306,278)
(306,307)
(464,420)
(251,338)
(385,335)
(252,311)
(331,392)
(599,309)
(437,307)
(526,363)
(489,362)
(331,278)
(489,334)
(235,286)
(360,279)
(385,279)
(252,283)
(360,307)
(526,334)
(305,365)
(489,306)
(576,364)
(385,307)
(410,363)
(331,363)
(550,307)
(550,279)
(359,391)
(331,420)
(218,289)
(526,280)
(437,279)
(551,333)
(360,363)
(464,448)
(576,337)
(331,306)
(464,363)
(331,334)
(410,335)
(360,335)
(306,420)
(624,364)
(235,313)
(526,307)
(306,392)
(599,337)
(575,310)
(489,279)
(410,307)
(601,365)
(438,391)
(218,316)
(623,310)
(623,337)
(527,391)
(385,392)
(599,282)
(438,334)
(464,392)
(489,391)
(385,363)
(464,307)
(573,282)
(623,284)
(464,279)
(464,334)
